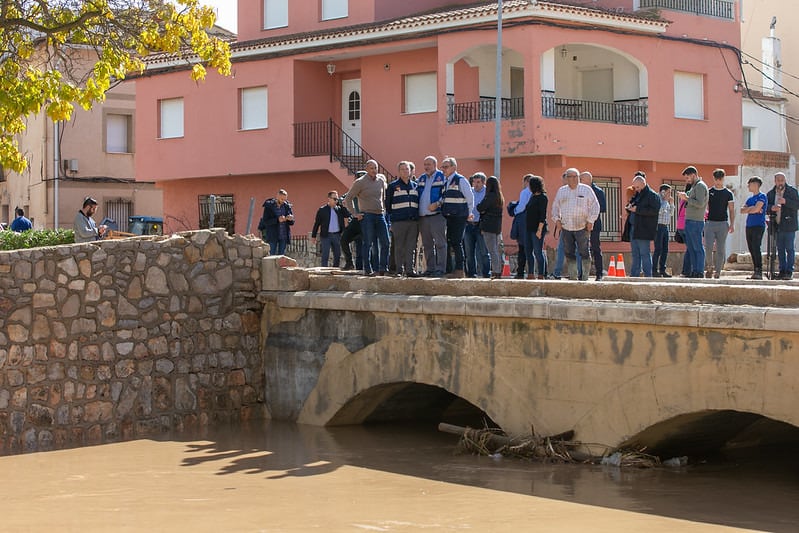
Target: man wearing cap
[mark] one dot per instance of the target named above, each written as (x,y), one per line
(85,228)
(783,203)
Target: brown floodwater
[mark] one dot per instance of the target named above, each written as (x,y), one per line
(283,477)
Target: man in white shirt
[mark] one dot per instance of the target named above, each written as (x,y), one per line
(574,212)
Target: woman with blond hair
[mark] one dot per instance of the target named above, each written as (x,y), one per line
(490,209)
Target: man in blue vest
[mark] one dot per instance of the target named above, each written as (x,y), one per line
(456,205)
(432,226)
(402,207)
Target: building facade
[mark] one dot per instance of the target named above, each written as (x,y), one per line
(613,88)
(90,155)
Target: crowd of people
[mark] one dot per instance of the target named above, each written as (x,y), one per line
(459,223)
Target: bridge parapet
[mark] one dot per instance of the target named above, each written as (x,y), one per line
(619,359)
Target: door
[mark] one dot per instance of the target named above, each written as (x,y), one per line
(351,116)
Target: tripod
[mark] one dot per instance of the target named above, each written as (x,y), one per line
(771,246)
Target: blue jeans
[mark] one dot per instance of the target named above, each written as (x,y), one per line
(785,250)
(693,244)
(333,240)
(661,249)
(642,258)
(478,262)
(534,248)
(277,247)
(456,226)
(375,243)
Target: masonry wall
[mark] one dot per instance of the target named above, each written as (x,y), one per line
(125,339)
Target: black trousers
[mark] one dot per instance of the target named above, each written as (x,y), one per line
(352,233)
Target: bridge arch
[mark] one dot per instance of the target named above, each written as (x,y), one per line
(351,385)
(656,404)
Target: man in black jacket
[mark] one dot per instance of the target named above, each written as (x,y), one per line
(646,206)
(329,224)
(783,202)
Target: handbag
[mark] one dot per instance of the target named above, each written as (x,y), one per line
(625,234)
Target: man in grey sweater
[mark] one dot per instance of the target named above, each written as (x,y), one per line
(370,191)
(695,220)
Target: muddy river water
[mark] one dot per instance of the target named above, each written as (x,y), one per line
(284,477)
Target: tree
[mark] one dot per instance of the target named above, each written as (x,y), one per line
(40,38)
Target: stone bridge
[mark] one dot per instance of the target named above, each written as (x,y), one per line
(621,362)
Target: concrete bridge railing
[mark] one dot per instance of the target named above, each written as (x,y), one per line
(607,359)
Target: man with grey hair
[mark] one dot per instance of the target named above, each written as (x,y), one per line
(783,203)
(370,192)
(457,205)
(574,211)
(432,225)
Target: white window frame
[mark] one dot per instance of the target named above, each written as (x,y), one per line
(276,14)
(118,133)
(254,103)
(421,93)
(689,95)
(335,9)
(170,124)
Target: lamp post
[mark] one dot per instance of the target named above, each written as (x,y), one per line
(498,100)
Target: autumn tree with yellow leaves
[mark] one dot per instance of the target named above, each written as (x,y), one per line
(39,39)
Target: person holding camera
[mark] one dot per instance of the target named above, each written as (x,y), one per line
(783,203)
(276,222)
(329,224)
(86,230)
(696,205)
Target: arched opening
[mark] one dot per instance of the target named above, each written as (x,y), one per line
(409,402)
(472,88)
(588,82)
(713,432)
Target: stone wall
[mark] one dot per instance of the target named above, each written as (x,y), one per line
(124,339)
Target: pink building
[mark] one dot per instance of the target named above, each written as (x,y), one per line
(621,86)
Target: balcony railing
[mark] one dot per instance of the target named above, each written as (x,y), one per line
(325,137)
(484,110)
(724,9)
(633,113)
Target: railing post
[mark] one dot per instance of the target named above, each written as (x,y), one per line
(330,138)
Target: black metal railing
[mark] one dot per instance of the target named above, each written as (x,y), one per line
(713,8)
(325,137)
(484,110)
(634,112)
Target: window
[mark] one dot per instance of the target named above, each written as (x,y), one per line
(334,9)
(118,133)
(223,210)
(689,95)
(749,136)
(421,93)
(611,227)
(171,125)
(254,108)
(118,210)
(354,106)
(276,14)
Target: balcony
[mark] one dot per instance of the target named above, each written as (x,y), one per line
(484,110)
(724,9)
(633,112)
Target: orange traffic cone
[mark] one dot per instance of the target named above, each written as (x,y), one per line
(505,266)
(620,272)
(612,267)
